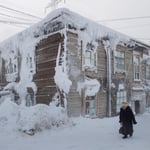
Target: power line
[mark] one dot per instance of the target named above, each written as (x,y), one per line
(134,26)
(2,14)
(19,25)
(15,22)
(18,11)
(145,39)
(123,19)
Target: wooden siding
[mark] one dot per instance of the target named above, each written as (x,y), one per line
(74,61)
(125,78)
(76,102)
(3,81)
(102,77)
(45,57)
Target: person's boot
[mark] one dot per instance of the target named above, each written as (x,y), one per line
(125,136)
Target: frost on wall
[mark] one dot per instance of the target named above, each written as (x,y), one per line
(12,66)
(22,48)
(138,93)
(90,56)
(18,54)
(61,77)
(90,86)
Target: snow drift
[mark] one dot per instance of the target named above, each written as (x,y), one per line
(37,118)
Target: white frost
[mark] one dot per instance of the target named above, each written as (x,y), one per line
(91,87)
(38,117)
(121,86)
(61,80)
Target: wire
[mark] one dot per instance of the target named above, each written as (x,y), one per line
(2,14)
(15,22)
(134,26)
(145,39)
(21,12)
(123,19)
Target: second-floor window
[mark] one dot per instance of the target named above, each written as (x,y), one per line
(90,55)
(90,58)
(119,60)
(136,67)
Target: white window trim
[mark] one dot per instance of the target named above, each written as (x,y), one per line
(92,67)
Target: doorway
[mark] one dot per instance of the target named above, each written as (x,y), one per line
(137,107)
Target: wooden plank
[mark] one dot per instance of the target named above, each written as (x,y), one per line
(51,39)
(46,64)
(49,51)
(45,57)
(45,82)
(43,75)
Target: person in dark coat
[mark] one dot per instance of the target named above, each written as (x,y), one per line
(126,119)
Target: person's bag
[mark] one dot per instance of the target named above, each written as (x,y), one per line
(121,130)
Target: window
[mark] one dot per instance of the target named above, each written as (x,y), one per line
(136,67)
(121,97)
(148,72)
(11,66)
(90,55)
(29,61)
(119,60)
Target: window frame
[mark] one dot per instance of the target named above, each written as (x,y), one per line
(90,106)
(90,55)
(137,67)
(147,72)
(119,61)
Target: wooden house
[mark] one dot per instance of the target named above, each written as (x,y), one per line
(81,65)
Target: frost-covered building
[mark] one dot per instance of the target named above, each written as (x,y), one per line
(79,64)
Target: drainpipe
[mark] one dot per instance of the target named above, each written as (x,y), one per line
(108,53)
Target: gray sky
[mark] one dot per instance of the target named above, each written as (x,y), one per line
(94,9)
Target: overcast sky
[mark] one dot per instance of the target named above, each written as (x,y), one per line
(96,10)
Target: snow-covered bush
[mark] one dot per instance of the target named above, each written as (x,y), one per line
(8,113)
(41,117)
(35,118)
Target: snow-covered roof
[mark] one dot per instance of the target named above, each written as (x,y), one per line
(80,24)
(73,21)
(61,18)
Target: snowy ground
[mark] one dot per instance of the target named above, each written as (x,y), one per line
(86,134)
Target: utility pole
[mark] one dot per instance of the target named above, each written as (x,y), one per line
(53,4)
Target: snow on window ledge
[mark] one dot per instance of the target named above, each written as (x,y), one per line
(11,77)
(91,87)
(89,68)
(137,80)
(119,71)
